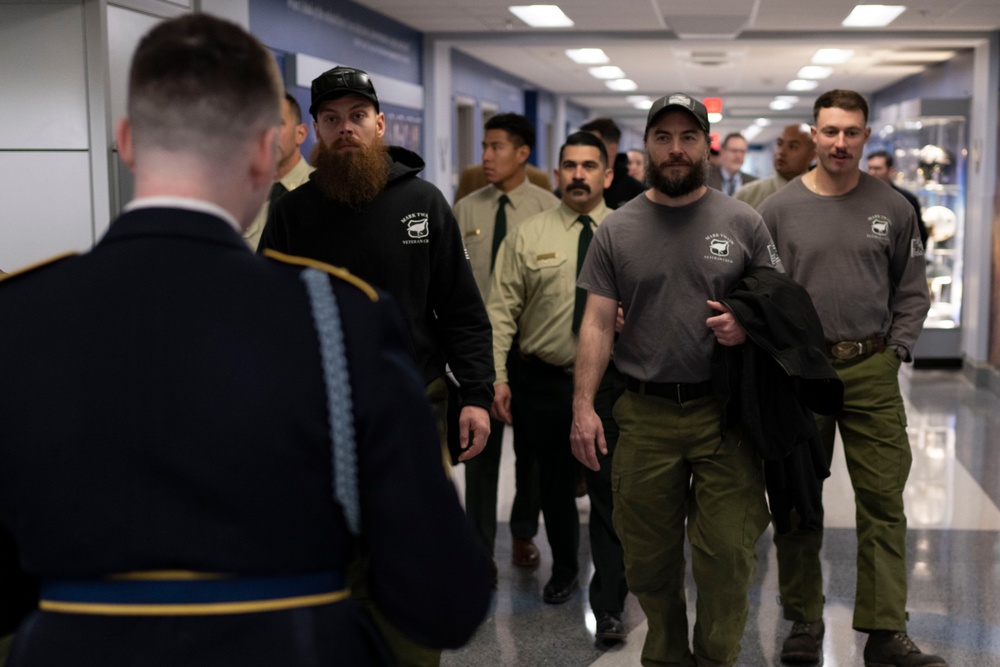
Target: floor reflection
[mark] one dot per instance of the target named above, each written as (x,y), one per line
(953,550)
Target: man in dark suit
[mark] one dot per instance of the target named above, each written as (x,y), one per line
(881,166)
(726,176)
(623,187)
(201,441)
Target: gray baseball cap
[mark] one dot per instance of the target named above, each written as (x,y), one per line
(679,101)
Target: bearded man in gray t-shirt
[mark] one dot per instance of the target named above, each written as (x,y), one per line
(669,256)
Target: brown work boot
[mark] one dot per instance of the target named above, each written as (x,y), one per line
(894,648)
(804,644)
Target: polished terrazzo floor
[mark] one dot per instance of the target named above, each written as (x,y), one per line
(953,550)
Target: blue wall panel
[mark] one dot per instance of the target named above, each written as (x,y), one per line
(339,31)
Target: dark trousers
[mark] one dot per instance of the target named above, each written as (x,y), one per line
(607,587)
(482,475)
(542,407)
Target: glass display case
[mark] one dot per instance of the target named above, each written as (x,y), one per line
(927,139)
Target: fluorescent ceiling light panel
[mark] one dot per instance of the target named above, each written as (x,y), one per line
(588,56)
(763,122)
(872,16)
(918,56)
(814,72)
(780,105)
(791,99)
(802,85)
(714,117)
(622,85)
(751,132)
(637,99)
(832,56)
(607,72)
(541,16)
(645,105)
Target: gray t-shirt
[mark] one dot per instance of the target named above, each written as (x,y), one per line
(858,255)
(663,263)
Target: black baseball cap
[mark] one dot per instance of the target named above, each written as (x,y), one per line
(679,101)
(340,81)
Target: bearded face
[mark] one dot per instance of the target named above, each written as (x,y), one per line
(349,171)
(672,179)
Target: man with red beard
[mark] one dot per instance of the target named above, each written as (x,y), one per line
(668,257)
(365,210)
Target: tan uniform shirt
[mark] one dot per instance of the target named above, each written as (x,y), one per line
(295,177)
(534,288)
(476,215)
(755,192)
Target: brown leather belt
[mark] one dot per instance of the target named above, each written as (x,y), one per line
(851,349)
(678,392)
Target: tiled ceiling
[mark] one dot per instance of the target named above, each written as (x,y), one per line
(744,51)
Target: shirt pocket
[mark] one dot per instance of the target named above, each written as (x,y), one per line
(548,275)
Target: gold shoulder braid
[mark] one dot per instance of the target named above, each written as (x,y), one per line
(335,271)
(37,265)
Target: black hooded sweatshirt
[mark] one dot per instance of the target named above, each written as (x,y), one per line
(407,242)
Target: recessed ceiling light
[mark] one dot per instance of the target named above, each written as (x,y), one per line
(636,99)
(645,105)
(791,99)
(802,84)
(751,132)
(832,56)
(814,72)
(714,117)
(541,16)
(607,72)
(588,56)
(780,105)
(871,16)
(763,122)
(622,85)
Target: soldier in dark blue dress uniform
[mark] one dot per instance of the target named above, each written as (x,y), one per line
(196,442)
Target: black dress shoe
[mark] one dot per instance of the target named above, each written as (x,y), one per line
(610,629)
(558,592)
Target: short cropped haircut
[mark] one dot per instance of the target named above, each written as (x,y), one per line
(294,104)
(607,128)
(202,85)
(517,127)
(581,138)
(732,135)
(848,100)
(885,155)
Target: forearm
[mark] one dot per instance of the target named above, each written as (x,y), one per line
(592,355)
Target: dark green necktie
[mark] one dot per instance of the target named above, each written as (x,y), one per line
(499,228)
(277,190)
(586,235)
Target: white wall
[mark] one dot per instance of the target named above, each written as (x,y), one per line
(44,135)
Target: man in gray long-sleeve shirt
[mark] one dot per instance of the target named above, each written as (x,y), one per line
(853,243)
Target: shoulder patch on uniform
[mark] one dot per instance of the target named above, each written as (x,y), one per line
(335,271)
(37,265)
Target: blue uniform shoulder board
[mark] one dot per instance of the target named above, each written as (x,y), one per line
(37,265)
(336,271)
